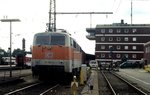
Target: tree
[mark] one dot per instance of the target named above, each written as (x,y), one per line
(17,51)
(2,52)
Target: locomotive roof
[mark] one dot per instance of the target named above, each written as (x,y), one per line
(48,33)
(59,31)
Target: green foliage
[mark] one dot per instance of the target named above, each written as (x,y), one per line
(3,53)
(17,51)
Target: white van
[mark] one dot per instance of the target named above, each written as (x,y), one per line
(93,64)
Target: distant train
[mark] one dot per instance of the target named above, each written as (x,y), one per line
(23,61)
(6,60)
(56,54)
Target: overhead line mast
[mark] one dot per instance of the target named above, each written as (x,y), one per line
(52,15)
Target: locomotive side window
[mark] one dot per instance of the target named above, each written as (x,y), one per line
(57,40)
(43,40)
(71,42)
(74,44)
(78,47)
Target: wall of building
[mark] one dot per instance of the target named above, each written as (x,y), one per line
(118,40)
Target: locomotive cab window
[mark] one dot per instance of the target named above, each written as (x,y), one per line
(54,39)
(74,44)
(42,40)
(57,40)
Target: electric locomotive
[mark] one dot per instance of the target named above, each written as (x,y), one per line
(55,55)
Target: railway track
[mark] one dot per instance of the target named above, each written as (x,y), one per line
(34,89)
(103,86)
(119,86)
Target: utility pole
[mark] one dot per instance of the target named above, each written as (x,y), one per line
(52,16)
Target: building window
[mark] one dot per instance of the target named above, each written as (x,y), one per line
(126,30)
(126,47)
(134,47)
(110,30)
(146,50)
(133,55)
(110,46)
(102,38)
(126,39)
(97,56)
(134,39)
(127,56)
(109,55)
(110,38)
(102,47)
(102,30)
(133,30)
(118,56)
(102,55)
(118,30)
(118,39)
(118,47)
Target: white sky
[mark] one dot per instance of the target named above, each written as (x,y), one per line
(34,16)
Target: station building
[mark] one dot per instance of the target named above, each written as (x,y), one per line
(119,41)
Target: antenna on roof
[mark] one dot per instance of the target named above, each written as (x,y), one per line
(131,12)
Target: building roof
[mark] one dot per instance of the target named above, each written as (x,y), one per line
(90,30)
(115,25)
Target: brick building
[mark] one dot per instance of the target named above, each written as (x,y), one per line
(119,40)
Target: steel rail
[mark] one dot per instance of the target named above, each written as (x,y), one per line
(110,86)
(22,89)
(49,89)
(139,90)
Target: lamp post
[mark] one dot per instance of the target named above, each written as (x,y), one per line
(10,21)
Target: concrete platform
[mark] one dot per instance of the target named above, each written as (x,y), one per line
(93,80)
(140,77)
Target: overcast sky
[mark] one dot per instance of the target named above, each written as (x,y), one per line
(34,16)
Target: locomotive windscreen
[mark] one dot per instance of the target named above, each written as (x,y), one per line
(54,39)
(57,40)
(43,40)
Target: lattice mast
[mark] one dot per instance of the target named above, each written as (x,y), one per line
(52,16)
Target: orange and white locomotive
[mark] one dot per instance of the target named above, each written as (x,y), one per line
(56,54)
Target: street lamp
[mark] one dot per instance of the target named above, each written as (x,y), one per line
(10,21)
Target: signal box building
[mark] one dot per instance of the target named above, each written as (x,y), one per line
(119,41)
